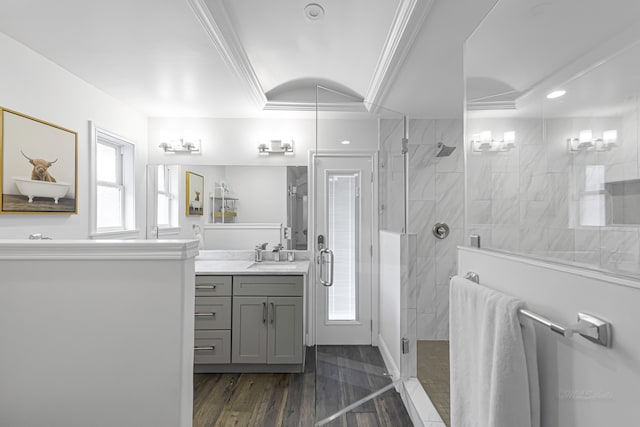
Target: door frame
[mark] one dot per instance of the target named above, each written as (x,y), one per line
(310,304)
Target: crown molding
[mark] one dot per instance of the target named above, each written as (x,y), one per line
(407,22)
(226,41)
(489,105)
(311,106)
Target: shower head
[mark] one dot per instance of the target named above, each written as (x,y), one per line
(445,151)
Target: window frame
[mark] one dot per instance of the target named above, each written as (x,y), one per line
(171,192)
(125,177)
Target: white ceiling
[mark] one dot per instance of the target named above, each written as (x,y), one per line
(157,55)
(523,50)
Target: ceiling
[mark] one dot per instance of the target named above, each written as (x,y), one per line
(524,50)
(247,58)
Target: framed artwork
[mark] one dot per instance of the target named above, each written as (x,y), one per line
(39,166)
(195,193)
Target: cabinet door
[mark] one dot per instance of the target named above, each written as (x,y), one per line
(249,330)
(285,330)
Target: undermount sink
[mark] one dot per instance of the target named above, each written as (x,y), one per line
(273,266)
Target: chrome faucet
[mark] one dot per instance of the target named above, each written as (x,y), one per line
(276,251)
(258,252)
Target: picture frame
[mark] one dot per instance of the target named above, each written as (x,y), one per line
(195,194)
(39,163)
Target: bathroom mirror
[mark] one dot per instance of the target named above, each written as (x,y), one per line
(252,194)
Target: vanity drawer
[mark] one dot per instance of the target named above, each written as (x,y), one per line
(290,285)
(212,286)
(213,313)
(212,347)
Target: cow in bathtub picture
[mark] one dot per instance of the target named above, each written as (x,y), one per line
(38,166)
(42,184)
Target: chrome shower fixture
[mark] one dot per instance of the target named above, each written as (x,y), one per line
(445,151)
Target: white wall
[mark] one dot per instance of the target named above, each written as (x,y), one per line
(96,333)
(33,85)
(582,384)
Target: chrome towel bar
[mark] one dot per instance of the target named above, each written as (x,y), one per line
(590,327)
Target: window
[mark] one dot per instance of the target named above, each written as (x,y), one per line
(113,184)
(342,231)
(167,185)
(110,189)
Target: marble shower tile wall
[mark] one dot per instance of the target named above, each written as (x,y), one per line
(541,198)
(436,194)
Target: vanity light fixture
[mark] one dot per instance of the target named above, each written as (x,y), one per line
(585,141)
(345,142)
(181,146)
(483,142)
(276,146)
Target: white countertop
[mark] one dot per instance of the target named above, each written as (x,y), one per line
(247,267)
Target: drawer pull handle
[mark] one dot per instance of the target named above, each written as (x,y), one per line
(205,314)
(209,348)
(206,287)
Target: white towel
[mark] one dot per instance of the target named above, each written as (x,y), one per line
(494,374)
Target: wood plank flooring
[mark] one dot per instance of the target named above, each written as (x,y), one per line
(345,374)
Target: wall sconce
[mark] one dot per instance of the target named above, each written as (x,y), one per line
(276,146)
(585,141)
(181,146)
(483,142)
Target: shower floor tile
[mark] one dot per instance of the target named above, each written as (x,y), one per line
(433,374)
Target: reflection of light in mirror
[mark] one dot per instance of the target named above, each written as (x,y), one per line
(586,141)
(609,139)
(556,94)
(484,142)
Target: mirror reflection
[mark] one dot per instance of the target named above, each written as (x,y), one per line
(242,205)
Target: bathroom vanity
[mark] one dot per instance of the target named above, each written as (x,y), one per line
(249,317)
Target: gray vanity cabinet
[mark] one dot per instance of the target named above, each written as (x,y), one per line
(267,326)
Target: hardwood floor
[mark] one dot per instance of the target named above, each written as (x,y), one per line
(345,374)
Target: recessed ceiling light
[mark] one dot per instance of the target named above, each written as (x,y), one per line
(313,11)
(556,94)
(345,142)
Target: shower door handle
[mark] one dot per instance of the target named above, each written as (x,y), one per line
(323,260)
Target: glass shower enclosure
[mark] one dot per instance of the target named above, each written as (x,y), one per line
(358,185)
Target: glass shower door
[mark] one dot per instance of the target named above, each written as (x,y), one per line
(353,382)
